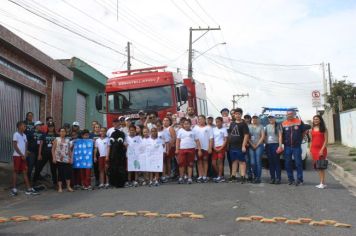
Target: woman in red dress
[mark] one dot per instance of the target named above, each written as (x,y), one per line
(319,140)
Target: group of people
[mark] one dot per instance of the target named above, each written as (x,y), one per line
(190,143)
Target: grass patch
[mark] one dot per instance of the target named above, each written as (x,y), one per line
(352,152)
(348,169)
(354,159)
(337,161)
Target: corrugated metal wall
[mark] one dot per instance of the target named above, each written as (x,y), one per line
(14,103)
(81,109)
(31,102)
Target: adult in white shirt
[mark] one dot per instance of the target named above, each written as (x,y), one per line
(116,126)
(205,136)
(191,115)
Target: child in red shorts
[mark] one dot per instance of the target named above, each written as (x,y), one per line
(205,135)
(220,140)
(186,144)
(101,147)
(19,142)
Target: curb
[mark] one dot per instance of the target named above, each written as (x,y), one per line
(340,172)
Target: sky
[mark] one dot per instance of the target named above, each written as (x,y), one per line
(274,49)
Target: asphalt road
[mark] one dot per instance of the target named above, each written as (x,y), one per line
(219,203)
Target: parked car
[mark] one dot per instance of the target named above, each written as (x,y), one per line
(281,115)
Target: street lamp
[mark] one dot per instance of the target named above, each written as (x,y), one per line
(201,54)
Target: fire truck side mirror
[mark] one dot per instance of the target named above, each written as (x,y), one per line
(99,102)
(183,93)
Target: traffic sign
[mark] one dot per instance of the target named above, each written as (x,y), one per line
(316,94)
(316,99)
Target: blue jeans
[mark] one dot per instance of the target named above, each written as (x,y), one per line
(31,162)
(274,161)
(296,152)
(256,161)
(248,164)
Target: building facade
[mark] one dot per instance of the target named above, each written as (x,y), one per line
(30,81)
(79,94)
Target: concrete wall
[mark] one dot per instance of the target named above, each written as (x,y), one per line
(348,128)
(329,122)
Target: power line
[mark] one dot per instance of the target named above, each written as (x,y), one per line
(74,32)
(196,14)
(206,13)
(184,13)
(250,76)
(267,64)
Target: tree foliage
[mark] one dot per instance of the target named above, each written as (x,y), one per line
(347,91)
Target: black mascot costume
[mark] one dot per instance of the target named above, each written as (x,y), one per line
(117,160)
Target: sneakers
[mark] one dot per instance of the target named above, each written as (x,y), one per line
(164,179)
(156,183)
(13,192)
(107,185)
(232,179)
(31,191)
(189,181)
(76,187)
(298,183)
(127,184)
(144,183)
(150,183)
(135,183)
(180,180)
(200,180)
(205,179)
(101,186)
(321,186)
(290,182)
(243,179)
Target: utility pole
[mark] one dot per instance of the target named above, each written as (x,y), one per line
(190,51)
(330,81)
(238,96)
(128,58)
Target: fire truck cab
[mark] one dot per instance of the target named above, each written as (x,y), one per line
(150,89)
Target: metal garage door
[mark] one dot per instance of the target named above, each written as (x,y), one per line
(81,109)
(14,103)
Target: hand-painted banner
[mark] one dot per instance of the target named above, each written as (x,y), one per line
(83,153)
(147,157)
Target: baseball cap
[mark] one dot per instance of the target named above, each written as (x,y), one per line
(210,116)
(127,118)
(271,115)
(50,124)
(122,118)
(141,112)
(38,123)
(224,109)
(255,115)
(75,123)
(247,115)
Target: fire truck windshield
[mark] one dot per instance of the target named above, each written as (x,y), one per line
(134,100)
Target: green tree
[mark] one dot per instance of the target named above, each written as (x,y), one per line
(347,91)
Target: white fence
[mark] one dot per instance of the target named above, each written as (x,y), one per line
(348,128)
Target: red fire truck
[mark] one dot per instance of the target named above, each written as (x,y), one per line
(150,89)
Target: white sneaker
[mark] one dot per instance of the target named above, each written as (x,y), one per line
(323,186)
(13,192)
(101,186)
(135,183)
(318,186)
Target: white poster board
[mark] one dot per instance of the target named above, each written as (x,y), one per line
(146,157)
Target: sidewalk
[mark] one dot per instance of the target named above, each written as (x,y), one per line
(343,164)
